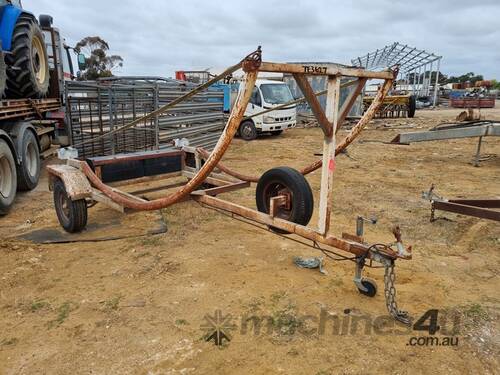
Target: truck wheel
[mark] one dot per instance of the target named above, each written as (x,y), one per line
(277,132)
(284,180)
(412,106)
(72,215)
(248,131)
(28,67)
(8,179)
(28,173)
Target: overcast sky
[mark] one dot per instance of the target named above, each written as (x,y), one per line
(158,37)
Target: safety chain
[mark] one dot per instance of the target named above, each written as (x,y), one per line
(390,294)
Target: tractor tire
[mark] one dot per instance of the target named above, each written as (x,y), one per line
(286,180)
(28,172)
(412,106)
(28,67)
(248,131)
(8,178)
(3,75)
(72,215)
(45,20)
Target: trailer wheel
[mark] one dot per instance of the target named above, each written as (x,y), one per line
(28,67)
(28,173)
(371,287)
(286,181)
(412,106)
(72,215)
(8,178)
(248,131)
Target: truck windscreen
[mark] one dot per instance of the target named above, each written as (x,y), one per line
(276,93)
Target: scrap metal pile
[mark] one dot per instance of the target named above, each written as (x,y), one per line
(97,108)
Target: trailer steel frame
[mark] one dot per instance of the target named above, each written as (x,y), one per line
(201,167)
(480,208)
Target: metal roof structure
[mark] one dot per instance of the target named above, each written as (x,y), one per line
(413,66)
(406,57)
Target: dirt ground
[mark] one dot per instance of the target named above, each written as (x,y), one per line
(138,304)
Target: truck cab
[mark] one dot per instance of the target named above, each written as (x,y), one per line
(268,94)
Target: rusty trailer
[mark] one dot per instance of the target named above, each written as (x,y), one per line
(284,197)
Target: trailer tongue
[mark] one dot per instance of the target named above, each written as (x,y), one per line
(283,195)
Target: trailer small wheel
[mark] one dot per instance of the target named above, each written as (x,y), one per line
(72,215)
(289,182)
(371,287)
(248,131)
(8,178)
(28,173)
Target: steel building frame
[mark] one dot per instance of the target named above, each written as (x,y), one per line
(411,62)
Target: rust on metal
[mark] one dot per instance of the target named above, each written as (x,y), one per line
(326,70)
(277,202)
(252,62)
(76,185)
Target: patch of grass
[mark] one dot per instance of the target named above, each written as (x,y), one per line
(254,305)
(286,320)
(476,313)
(181,322)
(278,296)
(152,241)
(63,312)
(38,305)
(113,303)
(9,342)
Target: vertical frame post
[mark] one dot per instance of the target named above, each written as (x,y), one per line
(436,84)
(329,145)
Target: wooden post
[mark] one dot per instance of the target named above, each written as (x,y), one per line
(329,145)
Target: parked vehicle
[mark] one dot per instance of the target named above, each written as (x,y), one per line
(266,95)
(32,75)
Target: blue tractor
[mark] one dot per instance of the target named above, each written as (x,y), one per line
(24,67)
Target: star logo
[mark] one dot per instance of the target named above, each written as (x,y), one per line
(218,327)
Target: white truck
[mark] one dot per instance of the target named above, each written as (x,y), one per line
(266,95)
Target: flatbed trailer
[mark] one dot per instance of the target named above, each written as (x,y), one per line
(26,134)
(284,197)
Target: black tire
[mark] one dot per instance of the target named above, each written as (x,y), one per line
(371,287)
(412,106)
(3,75)
(28,67)
(45,20)
(277,132)
(28,172)
(72,215)
(286,180)
(247,131)
(8,178)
